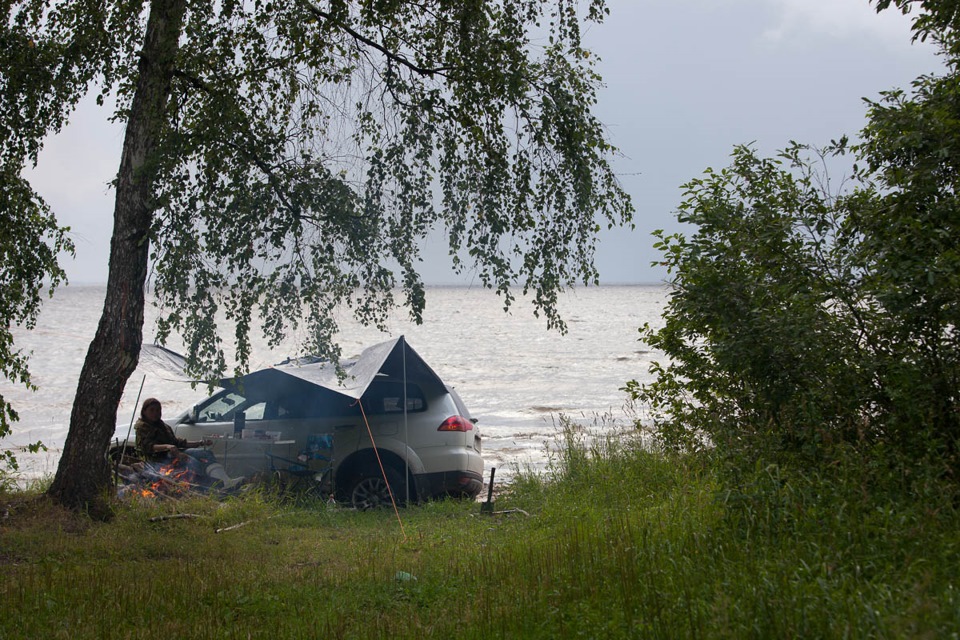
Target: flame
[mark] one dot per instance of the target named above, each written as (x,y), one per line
(175,478)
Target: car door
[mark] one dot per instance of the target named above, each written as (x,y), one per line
(224,419)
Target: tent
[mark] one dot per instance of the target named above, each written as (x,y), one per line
(394,358)
(320,381)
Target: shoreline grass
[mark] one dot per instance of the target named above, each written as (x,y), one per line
(614,541)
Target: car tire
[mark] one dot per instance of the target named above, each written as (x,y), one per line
(369,490)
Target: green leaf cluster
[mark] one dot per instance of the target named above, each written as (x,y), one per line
(308,148)
(284,159)
(40,75)
(30,242)
(804,317)
(312,148)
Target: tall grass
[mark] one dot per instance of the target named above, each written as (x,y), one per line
(613,541)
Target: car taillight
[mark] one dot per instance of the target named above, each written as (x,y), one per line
(456,423)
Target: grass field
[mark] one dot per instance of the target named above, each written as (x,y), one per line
(613,542)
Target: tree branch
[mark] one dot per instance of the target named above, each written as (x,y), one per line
(424,71)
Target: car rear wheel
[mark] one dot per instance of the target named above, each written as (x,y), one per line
(371,492)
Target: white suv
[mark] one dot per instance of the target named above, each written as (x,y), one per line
(301,420)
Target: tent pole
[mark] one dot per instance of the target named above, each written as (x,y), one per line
(123,451)
(406,434)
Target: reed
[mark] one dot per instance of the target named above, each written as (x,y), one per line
(612,541)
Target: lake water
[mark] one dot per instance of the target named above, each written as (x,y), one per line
(513,374)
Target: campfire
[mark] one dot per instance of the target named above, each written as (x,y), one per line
(174,478)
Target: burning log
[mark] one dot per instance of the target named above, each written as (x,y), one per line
(181,476)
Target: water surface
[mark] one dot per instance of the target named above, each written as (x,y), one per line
(514,375)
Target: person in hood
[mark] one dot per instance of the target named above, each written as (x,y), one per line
(157,442)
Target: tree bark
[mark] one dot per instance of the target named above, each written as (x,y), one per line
(83,479)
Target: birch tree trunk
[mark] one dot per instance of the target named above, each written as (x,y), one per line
(83,476)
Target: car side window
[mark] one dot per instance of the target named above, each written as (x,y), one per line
(221,408)
(319,405)
(387,397)
(256,411)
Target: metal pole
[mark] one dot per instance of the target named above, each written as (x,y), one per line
(123,450)
(406,435)
(487,507)
(493,470)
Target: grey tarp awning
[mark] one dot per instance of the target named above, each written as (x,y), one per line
(164,363)
(394,358)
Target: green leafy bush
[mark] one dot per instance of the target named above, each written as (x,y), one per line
(802,317)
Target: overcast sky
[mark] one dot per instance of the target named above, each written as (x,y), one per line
(686,80)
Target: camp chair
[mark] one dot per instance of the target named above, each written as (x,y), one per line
(310,473)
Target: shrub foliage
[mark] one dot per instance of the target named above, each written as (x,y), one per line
(805,314)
